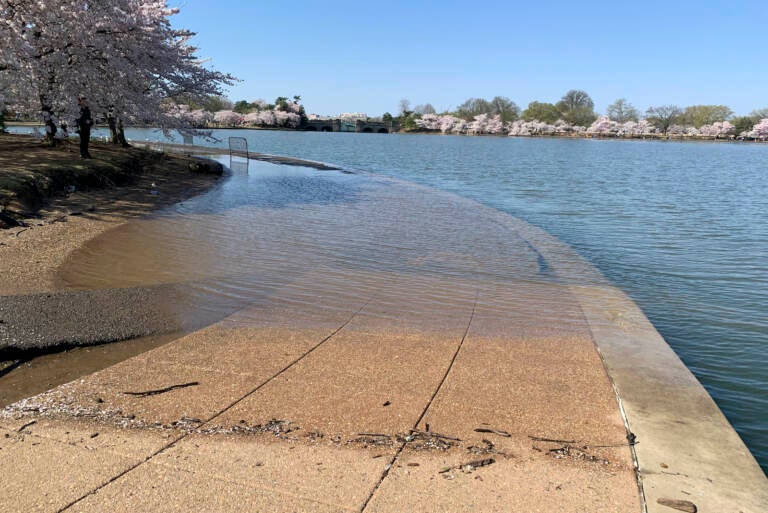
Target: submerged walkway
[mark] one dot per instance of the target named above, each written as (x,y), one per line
(380,366)
(376,405)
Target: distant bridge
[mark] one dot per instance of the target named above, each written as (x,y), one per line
(349,125)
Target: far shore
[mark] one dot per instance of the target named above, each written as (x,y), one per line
(643,137)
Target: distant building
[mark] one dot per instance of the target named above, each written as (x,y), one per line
(353,116)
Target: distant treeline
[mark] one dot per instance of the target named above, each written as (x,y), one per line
(574,114)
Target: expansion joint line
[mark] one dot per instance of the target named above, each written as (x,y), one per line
(402,445)
(630,435)
(294,362)
(220,412)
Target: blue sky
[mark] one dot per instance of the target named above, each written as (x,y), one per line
(344,56)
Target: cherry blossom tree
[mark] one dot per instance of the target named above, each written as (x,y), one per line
(448,124)
(122,54)
(485,124)
(495,125)
(603,126)
(562,127)
(759,130)
(478,125)
(227,118)
(452,124)
(263,118)
(529,128)
(429,122)
(252,118)
(674,130)
(635,128)
(266,118)
(717,129)
(200,117)
(287,119)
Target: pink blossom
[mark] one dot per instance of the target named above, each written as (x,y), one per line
(266,118)
(252,118)
(429,122)
(452,124)
(227,118)
(479,125)
(524,128)
(676,130)
(635,128)
(287,119)
(122,54)
(603,126)
(717,129)
(759,131)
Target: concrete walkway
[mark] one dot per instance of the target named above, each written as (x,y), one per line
(388,404)
(532,386)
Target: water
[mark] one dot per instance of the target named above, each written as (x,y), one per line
(681,227)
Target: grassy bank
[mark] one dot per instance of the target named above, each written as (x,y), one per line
(32,173)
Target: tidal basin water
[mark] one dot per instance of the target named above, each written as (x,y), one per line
(681,227)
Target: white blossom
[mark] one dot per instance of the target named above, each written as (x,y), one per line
(603,126)
(759,130)
(121,53)
(227,118)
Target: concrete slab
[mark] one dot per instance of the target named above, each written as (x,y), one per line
(525,482)
(328,474)
(356,382)
(544,381)
(159,489)
(90,435)
(50,465)
(225,363)
(377,374)
(545,387)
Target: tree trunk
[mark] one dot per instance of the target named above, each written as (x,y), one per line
(121,134)
(115,138)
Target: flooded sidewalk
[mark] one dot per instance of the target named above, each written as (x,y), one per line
(368,404)
(369,345)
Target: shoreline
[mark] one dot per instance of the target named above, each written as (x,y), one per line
(608,335)
(63,221)
(645,137)
(45,238)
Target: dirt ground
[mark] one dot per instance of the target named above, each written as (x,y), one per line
(51,201)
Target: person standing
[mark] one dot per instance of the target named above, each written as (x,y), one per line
(84,123)
(50,125)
